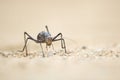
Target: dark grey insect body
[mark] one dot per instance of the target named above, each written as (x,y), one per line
(44,37)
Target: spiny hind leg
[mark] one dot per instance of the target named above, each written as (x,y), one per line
(63,45)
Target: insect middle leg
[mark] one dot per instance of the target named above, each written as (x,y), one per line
(26,40)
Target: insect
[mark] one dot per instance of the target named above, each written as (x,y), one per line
(44,37)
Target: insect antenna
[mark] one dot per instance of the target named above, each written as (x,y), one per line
(47,29)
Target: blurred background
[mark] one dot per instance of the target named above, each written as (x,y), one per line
(88,22)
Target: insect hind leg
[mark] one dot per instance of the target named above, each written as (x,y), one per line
(62,41)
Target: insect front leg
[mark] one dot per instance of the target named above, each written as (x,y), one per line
(42,50)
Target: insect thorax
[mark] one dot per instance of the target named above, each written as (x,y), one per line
(44,37)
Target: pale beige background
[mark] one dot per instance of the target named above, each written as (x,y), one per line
(88,22)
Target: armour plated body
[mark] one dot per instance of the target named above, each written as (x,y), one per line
(44,37)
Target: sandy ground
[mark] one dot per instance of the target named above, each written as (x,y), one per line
(80,63)
(91,29)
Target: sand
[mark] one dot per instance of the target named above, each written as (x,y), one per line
(81,63)
(91,29)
